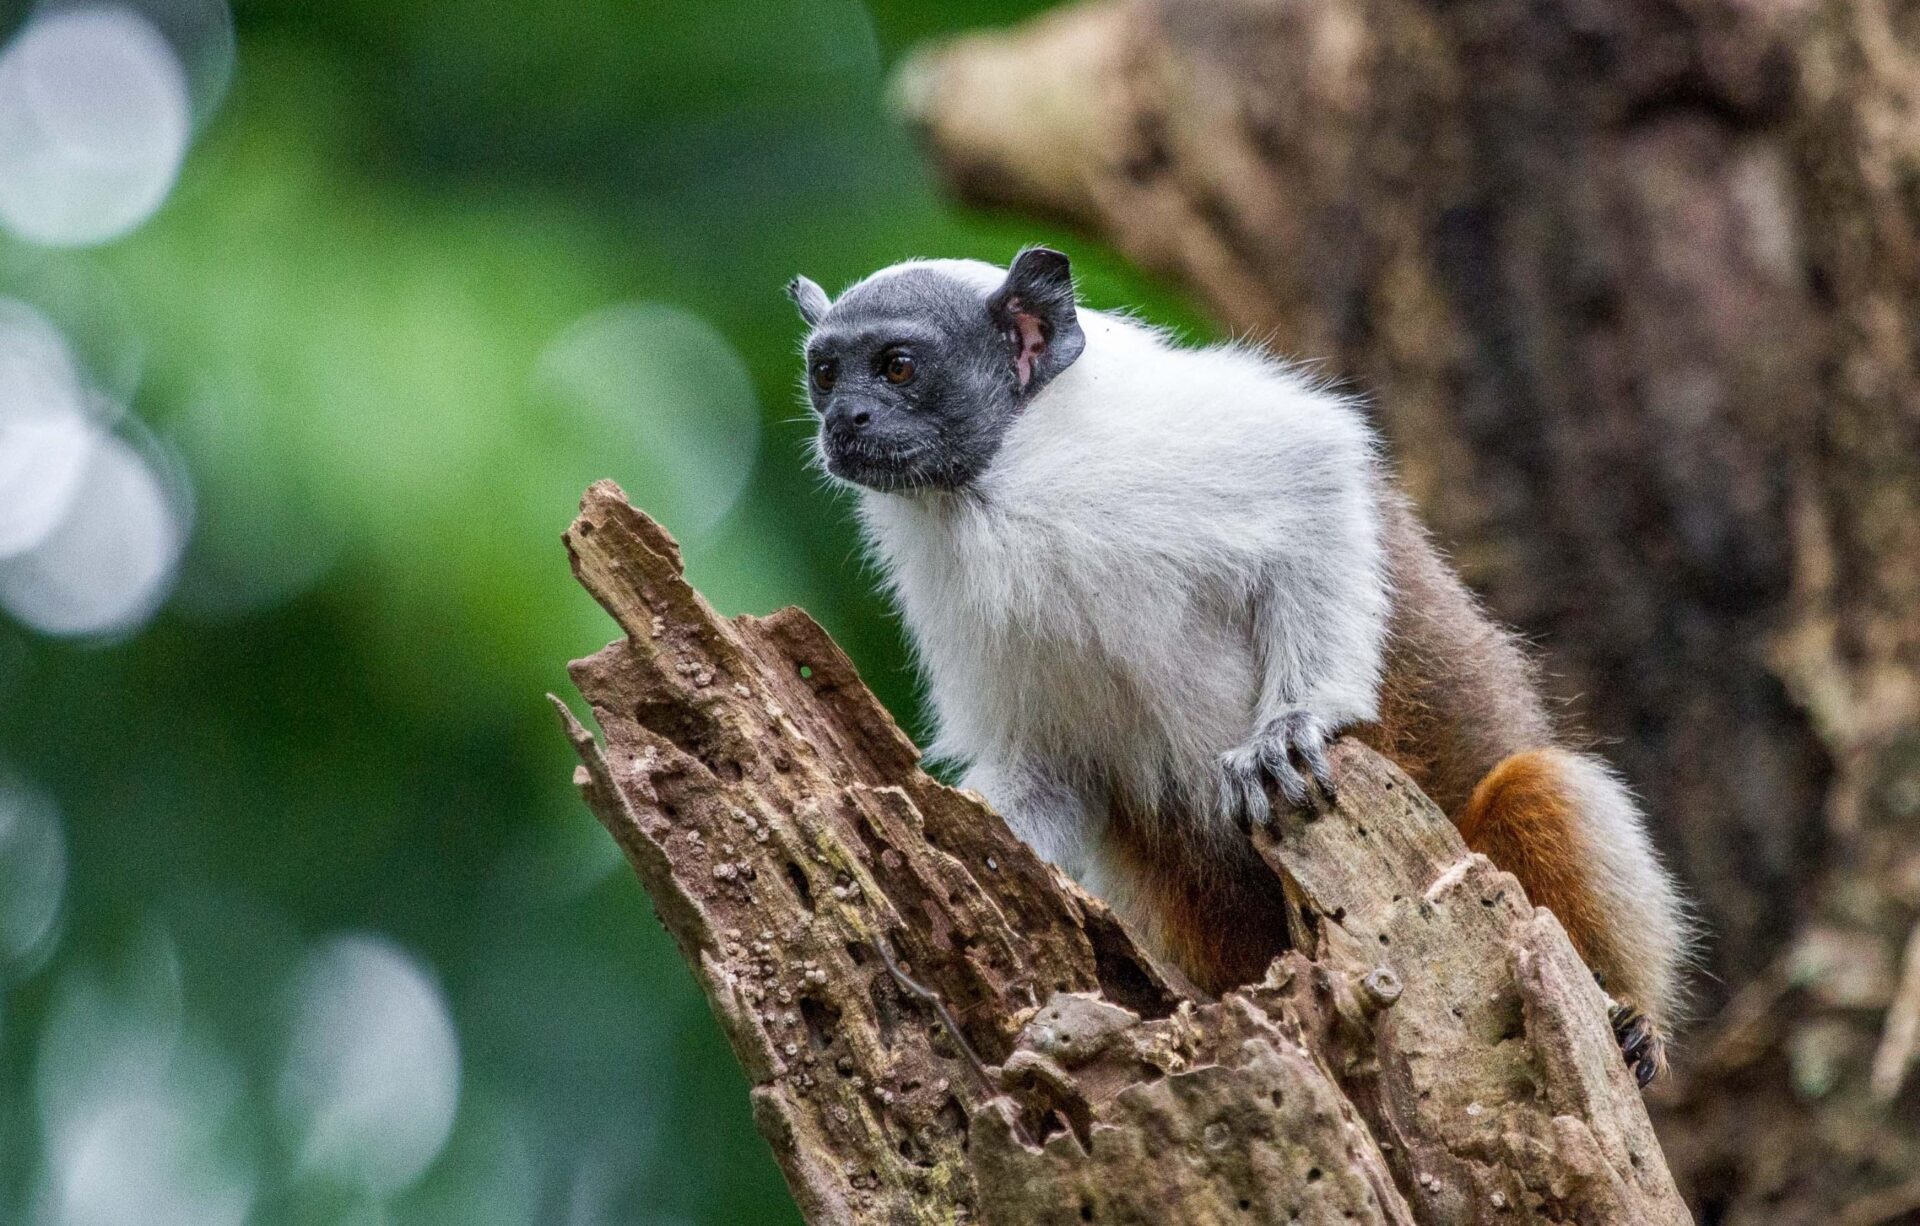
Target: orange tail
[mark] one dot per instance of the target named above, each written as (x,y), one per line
(1565,826)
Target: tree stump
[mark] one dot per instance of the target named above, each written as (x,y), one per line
(938,1026)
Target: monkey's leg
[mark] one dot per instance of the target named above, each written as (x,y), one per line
(1217,914)
(1569,830)
(1064,821)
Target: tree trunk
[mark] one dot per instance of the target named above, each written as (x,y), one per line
(1636,289)
(940,1027)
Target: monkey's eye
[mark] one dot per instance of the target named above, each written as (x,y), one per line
(824,372)
(898,368)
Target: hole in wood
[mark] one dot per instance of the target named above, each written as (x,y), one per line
(1123,980)
(822,1019)
(803,888)
(886,1011)
(869,838)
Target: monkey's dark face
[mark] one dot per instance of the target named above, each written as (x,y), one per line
(917,374)
(901,373)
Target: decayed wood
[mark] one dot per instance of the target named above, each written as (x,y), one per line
(940,1027)
(1635,287)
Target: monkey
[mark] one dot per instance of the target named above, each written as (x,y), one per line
(1147,582)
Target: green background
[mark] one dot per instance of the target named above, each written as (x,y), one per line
(350,320)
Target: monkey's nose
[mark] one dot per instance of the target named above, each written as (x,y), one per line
(850,419)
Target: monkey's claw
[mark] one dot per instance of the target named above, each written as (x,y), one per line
(1289,752)
(1640,1042)
(1243,792)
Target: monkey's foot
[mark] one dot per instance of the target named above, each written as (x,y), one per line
(1640,1042)
(1290,752)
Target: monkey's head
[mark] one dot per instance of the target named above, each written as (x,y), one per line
(917,372)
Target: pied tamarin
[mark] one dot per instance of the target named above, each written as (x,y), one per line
(1146,581)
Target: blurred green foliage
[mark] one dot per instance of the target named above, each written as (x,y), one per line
(341,320)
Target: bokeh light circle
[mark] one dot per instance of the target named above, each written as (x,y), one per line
(33,873)
(372,1075)
(110,562)
(47,435)
(142,1159)
(95,118)
(668,403)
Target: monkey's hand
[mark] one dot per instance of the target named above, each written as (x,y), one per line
(1288,751)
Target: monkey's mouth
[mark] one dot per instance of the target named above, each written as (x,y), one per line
(879,466)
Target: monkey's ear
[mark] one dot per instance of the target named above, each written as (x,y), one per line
(1033,309)
(810,298)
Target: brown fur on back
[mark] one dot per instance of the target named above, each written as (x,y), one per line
(1459,694)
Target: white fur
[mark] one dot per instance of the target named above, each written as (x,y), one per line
(1173,547)
(1646,916)
(979,274)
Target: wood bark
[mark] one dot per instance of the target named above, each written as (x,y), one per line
(940,1027)
(1635,287)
